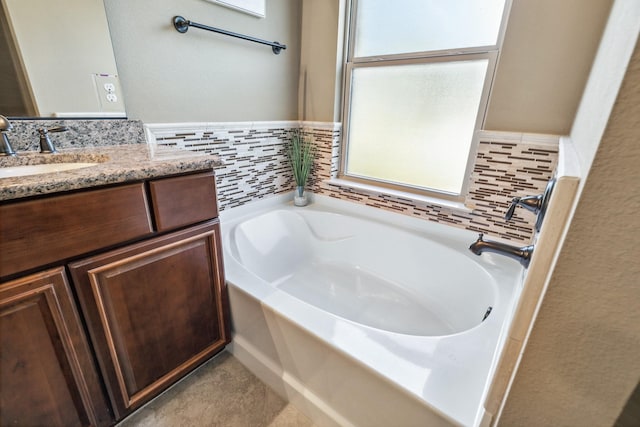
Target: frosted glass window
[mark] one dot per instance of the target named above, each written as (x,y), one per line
(414,123)
(418,74)
(395,27)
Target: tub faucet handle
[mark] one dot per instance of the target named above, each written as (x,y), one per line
(536,204)
(511,210)
(530,203)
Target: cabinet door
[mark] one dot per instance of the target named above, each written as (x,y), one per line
(47,376)
(155,311)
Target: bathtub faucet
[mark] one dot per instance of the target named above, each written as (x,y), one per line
(522,254)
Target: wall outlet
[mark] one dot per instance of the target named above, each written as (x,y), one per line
(108,92)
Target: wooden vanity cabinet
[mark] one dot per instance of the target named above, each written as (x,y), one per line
(47,375)
(147,285)
(155,310)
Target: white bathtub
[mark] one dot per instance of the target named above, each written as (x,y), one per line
(365,317)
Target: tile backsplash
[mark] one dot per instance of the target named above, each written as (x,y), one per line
(506,165)
(255,162)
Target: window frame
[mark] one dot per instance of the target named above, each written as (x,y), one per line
(489,52)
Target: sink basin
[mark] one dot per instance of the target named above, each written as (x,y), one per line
(15,171)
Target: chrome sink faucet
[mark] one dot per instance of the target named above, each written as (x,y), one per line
(5,146)
(46,146)
(522,254)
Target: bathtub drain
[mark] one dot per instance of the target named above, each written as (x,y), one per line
(487,313)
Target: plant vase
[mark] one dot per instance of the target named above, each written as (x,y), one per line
(300,197)
(301,152)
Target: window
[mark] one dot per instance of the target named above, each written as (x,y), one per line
(418,74)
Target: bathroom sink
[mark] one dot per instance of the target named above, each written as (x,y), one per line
(25,170)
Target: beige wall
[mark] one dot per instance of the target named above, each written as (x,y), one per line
(547,53)
(200,75)
(581,362)
(604,82)
(321,56)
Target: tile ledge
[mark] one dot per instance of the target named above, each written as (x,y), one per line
(449,204)
(519,137)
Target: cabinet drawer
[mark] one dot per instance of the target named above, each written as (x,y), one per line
(183,200)
(43,231)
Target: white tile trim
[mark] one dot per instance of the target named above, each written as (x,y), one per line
(322,125)
(518,138)
(154,130)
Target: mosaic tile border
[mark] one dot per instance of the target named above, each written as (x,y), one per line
(506,165)
(254,156)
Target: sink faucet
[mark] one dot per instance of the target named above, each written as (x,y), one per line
(5,147)
(522,254)
(46,146)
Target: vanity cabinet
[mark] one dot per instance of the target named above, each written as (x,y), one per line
(108,297)
(47,375)
(154,311)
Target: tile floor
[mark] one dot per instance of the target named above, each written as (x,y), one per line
(220,393)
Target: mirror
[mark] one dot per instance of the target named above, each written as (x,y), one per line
(57,60)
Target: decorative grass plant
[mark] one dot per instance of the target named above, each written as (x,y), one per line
(301,152)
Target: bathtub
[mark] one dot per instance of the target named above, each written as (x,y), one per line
(364,317)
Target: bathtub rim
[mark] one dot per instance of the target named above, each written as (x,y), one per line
(290,307)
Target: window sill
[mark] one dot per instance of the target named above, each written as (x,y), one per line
(368,188)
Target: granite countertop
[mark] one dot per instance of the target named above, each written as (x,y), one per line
(115,164)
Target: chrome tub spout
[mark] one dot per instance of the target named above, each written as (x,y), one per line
(523,254)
